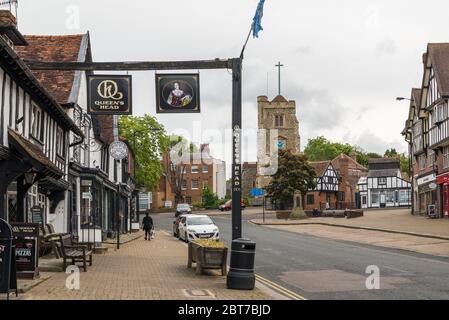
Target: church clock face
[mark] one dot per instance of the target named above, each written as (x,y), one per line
(281,144)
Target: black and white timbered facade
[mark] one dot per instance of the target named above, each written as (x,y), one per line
(34,140)
(384,186)
(326,194)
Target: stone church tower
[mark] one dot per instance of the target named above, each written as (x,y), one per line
(279,114)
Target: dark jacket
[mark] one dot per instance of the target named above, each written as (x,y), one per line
(147,223)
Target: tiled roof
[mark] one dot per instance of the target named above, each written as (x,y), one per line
(355,164)
(416,96)
(320,167)
(34,155)
(439,55)
(280,99)
(54,48)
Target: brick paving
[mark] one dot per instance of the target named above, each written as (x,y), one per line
(141,270)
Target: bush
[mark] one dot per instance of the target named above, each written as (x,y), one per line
(210,199)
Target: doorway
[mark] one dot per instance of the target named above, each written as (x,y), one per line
(383,200)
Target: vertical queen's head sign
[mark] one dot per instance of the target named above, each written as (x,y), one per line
(109,94)
(178,93)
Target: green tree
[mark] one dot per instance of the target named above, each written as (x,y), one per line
(321,149)
(149,141)
(294,174)
(210,199)
(391,153)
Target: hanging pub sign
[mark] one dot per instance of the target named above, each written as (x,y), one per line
(178,93)
(118,150)
(109,94)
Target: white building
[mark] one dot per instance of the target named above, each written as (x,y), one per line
(384,186)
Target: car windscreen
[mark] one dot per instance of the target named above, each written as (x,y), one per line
(199,221)
(183,207)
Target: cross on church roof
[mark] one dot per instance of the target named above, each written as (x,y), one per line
(279,66)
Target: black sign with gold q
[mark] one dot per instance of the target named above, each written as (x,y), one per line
(109,94)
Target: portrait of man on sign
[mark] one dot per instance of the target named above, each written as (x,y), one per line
(177,93)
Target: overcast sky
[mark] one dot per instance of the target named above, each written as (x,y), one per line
(345,60)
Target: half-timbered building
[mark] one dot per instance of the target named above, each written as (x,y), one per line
(34,137)
(422,158)
(427,131)
(100,187)
(384,186)
(326,194)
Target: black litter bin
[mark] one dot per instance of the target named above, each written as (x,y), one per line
(241,274)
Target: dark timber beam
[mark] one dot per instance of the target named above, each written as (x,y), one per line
(130,66)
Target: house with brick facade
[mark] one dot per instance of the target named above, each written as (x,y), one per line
(191,177)
(350,172)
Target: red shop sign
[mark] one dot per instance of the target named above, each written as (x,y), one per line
(443,179)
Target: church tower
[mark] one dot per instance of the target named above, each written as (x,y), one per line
(279,114)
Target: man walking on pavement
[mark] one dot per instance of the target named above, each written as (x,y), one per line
(147,226)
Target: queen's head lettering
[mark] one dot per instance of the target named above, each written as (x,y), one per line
(108,89)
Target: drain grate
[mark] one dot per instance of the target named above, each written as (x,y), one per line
(198,293)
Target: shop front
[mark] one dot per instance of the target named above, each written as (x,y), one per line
(443,183)
(427,193)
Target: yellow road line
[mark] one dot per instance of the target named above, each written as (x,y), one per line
(279,288)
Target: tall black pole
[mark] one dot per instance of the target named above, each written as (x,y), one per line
(237,148)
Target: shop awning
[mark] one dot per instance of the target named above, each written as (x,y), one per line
(33,155)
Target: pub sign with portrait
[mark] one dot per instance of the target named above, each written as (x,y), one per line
(178,93)
(109,94)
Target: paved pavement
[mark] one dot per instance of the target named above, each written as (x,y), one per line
(142,270)
(394,220)
(320,268)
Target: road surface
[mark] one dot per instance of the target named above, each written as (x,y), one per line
(318,268)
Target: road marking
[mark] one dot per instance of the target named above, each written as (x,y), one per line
(279,288)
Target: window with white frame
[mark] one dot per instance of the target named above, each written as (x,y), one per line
(195,169)
(36,122)
(205,184)
(195,184)
(382,181)
(446,157)
(205,169)
(184,185)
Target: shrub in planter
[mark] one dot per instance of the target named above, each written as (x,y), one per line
(208,254)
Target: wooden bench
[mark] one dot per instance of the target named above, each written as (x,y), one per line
(73,252)
(49,239)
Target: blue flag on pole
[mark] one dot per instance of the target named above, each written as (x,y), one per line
(257,21)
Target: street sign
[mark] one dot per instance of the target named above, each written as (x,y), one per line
(109,94)
(178,93)
(118,150)
(257,192)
